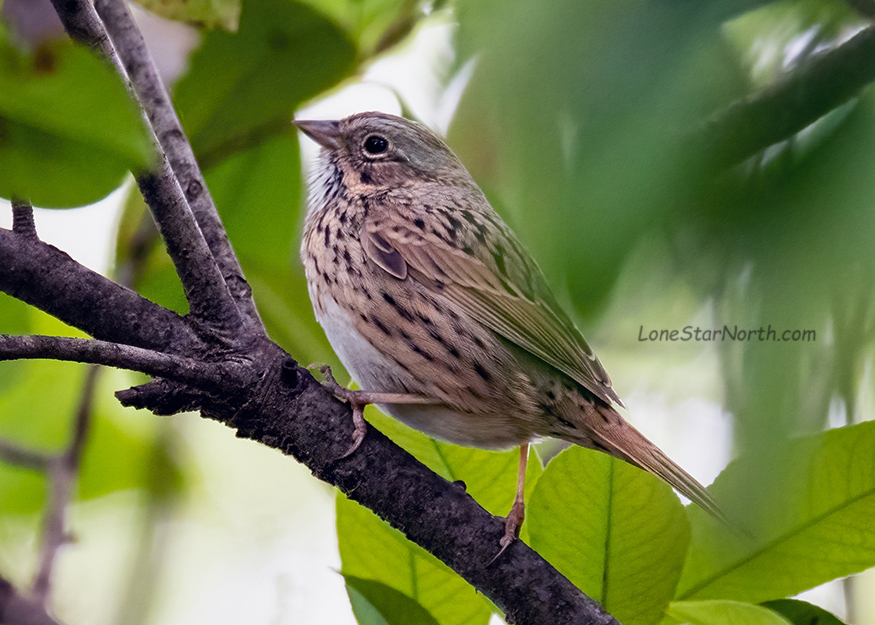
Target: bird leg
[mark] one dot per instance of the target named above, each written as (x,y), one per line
(517,514)
(359,399)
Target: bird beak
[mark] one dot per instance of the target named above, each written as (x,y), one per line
(325,133)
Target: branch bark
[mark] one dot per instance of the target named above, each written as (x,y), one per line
(151,92)
(825,81)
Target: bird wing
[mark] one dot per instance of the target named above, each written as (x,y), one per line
(522,311)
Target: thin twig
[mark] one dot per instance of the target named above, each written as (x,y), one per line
(62,476)
(153,97)
(22,218)
(11,453)
(210,377)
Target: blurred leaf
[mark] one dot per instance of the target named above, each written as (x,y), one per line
(374,603)
(123,448)
(371,549)
(69,132)
(802,612)
(208,13)
(283,54)
(583,158)
(723,613)
(809,524)
(372,24)
(259,196)
(16,321)
(618,533)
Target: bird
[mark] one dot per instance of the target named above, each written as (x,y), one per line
(441,316)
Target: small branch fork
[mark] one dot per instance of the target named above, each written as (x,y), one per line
(61,470)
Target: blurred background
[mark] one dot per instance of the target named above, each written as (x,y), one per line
(632,147)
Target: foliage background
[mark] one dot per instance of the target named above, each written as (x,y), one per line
(579,120)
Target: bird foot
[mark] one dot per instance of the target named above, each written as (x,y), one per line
(359,399)
(358,403)
(512,524)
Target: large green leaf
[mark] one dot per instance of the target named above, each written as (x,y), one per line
(243,87)
(808,522)
(370,549)
(69,132)
(618,533)
(259,196)
(723,613)
(374,603)
(490,477)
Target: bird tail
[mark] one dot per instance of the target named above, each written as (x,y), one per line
(609,432)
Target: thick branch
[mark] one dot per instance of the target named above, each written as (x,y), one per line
(45,277)
(824,82)
(292,412)
(207,377)
(155,101)
(205,288)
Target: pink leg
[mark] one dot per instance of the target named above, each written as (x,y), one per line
(517,514)
(359,399)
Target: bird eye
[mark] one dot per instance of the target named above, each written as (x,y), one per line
(375,144)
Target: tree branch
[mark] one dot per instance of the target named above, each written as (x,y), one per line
(11,453)
(776,113)
(281,405)
(206,291)
(47,278)
(63,472)
(208,377)
(17,609)
(151,92)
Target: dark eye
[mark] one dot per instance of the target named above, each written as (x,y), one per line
(375,144)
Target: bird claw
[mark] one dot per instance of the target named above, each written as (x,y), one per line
(360,426)
(359,431)
(512,523)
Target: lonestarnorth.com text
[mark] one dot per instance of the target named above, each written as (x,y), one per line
(690,333)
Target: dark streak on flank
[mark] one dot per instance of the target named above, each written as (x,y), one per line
(381,326)
(482,372)
(403,312)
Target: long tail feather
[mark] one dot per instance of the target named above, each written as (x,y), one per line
(610,432)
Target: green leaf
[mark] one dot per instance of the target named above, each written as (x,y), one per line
(618,533)
(809,520)
(374,603)
(489,476)
(372,24)
(69,132)
(16,321)
(723,613)
(283,54)
(801,612)
(370,549)
(208,13)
